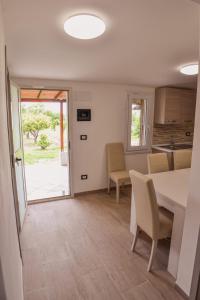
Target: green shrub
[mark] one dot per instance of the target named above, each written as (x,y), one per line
(43,141)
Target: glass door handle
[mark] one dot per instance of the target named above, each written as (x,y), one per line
(17,159)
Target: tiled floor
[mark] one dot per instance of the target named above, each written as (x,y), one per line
(80,249)
(46,180)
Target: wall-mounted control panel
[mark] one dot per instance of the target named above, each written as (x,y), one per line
(83,114)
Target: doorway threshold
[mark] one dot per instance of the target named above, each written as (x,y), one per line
(43,200)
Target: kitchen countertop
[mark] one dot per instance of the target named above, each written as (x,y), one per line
(161,147)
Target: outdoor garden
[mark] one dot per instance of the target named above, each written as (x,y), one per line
(135,125)
(46,176)
(41,133)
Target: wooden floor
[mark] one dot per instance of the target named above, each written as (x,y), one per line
(80,249)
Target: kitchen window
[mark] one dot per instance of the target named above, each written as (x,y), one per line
(138,124)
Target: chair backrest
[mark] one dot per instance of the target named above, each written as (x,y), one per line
(182,159)
(115,157)
(146,207)
(157,162)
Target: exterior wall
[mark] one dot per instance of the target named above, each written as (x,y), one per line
(11,286)
(109,104)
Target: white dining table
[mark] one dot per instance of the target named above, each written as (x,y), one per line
(172,189)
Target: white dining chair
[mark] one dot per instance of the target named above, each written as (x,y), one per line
(153,220)
(157,162)
(116,167)
(182,159)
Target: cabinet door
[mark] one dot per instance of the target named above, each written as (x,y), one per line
(159,109)
(173,106)
(188,106)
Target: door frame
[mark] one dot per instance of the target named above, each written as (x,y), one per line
(70,155)
(11,153)
(12,83)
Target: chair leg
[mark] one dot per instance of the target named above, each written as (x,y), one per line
(135,238)
(109,185)
(117,191)
(153,251)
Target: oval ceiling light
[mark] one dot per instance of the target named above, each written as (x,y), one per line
(192,69)
(84,26)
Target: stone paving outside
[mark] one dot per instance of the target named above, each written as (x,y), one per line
(46,180)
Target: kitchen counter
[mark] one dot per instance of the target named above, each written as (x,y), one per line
(170,148)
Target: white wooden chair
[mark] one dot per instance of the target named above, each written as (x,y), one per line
(157,162)
(116,167)
(153,220)
(182,159)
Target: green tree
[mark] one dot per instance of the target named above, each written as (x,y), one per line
(23,109)
(36,109)
(55,118)
(136,125)
(35,123)
(43,141)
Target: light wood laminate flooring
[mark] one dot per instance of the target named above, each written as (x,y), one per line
(80,249)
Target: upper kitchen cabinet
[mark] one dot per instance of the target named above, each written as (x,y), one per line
(174,106)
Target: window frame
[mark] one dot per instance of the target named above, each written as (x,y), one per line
(147,123)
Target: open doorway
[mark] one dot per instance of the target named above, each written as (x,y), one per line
(45,127)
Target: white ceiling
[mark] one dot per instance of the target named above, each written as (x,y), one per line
(145,41)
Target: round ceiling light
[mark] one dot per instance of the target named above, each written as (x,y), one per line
(192,69)
(84,26)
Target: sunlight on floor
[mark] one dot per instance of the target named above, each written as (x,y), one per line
(46,180)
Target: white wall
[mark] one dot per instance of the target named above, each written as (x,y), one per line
(192,219)
(10,261)
(109,118)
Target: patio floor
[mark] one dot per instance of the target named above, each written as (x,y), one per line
(46,180)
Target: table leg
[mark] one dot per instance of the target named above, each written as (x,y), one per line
(133,215)
(176,240)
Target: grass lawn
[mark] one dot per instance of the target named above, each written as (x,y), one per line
(33,155)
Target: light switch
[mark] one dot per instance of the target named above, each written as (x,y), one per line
(83,137)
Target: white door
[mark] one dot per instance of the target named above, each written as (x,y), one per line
(18,151)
